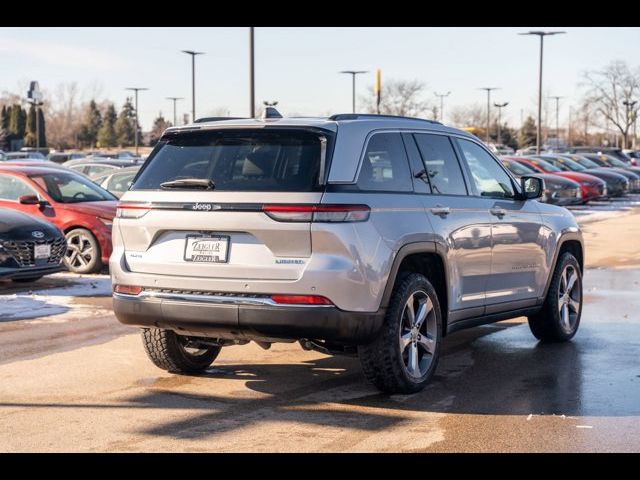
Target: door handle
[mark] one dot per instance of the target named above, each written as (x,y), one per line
(498,212)
(442,211)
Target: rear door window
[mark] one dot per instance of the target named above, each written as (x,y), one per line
(385,166)
(277,159)
(441,164)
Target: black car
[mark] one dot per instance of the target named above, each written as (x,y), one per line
(29,247)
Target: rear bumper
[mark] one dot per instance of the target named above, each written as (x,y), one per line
(28,272)
(247,321)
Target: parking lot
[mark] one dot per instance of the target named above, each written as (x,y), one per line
(74,379)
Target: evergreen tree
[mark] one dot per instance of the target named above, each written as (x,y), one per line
(107,134)
(527,133)
(43,131)
(88,133)
(159,126)
(4,128)
(125,129)
(30,137)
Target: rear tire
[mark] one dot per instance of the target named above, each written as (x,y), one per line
(404,356)
(27,280)
(169,351)
(559,319)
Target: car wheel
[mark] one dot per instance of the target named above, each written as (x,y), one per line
(27,279)
(176,353)
(405,353)
(559,319)
(83,252)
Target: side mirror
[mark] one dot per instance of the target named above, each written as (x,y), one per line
(532,187)
(32,200)
(29,200)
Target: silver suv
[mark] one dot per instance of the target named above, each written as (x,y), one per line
(354,234)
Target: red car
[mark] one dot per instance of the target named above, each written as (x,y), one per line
(591,187)
(77,206)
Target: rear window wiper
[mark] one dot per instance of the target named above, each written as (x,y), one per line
(190,184)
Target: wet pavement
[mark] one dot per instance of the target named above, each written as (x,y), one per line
(80,381)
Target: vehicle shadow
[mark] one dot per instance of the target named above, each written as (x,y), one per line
(507,373)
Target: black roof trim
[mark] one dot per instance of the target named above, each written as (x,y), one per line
(357,116)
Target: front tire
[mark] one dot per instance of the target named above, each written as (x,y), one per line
(83,252)
(176,353)
(404,356)
(559,319)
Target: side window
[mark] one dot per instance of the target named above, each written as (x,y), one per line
(385,166)
(12,188)
(441,165)
(489,178)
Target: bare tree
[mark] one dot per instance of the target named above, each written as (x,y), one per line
(614,93)
(399,97)
(467,116)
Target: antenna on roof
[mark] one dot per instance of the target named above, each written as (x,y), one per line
(270,112)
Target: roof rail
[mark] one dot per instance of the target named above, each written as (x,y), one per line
(217,119)
(356,116)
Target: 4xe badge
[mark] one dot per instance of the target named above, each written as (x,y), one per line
(37,234)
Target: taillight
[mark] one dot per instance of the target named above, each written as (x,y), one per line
(301,300)
(132,210)
(318,213)
(127,289)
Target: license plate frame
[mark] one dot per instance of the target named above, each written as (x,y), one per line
(42,252)
(212,257)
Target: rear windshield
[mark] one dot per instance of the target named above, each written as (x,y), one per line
(241,160)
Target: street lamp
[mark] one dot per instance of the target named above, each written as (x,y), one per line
(557,99)
(488,89)
(500,106)
(442,95)
(193,81)
(252,76)
(629,105)
(353,74)
(175,99)
(136,90)
(539,130)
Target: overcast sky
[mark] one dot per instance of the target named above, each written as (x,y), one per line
(298,66)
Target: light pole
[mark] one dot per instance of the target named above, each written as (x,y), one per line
(442,95)
(488,89)
(136,90)
(193,81)
(557,99)
(175,99)
(539,130)
(500,106)
(353,74)
(629,105)
(252,76)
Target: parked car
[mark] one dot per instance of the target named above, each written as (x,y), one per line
(592,187)
(613,151)
(61,157)
(29,247)
(119,181)
(615,165)
(364,234)
(83,210)
(557,190)
(617,184)
(25,156)
(94,169)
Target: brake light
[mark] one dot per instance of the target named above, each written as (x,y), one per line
(318,213)
(301,300)
(132,210)
(127,289)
